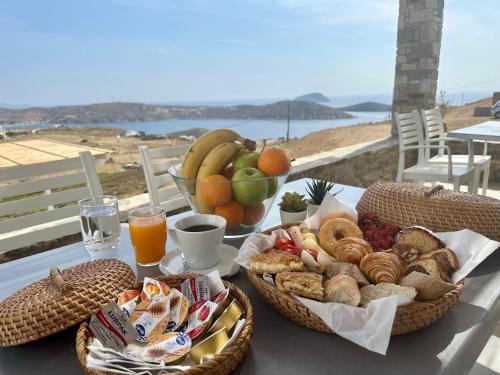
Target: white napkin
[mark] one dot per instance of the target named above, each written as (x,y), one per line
(370,327)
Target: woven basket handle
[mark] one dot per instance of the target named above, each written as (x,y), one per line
(58,280)
(434,190)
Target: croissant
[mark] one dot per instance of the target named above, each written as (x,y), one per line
(382,267)
(351,250)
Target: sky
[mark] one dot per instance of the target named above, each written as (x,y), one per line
(75,52)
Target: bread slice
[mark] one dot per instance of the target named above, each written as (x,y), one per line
(447,258)
(274,262)
(429,266)
(305,284)
(419,238)
(381,290)
(428,287)
(342,289)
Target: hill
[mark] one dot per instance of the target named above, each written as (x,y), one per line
(368,107)
(137,112)
(315,97)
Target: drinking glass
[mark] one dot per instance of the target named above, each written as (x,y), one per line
(100,225)
(148,233)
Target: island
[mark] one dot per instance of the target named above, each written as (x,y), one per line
(368,107)
(315,97)
(138,112)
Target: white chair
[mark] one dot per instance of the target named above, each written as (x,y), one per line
(411,137)
(161,187)
(434,133)
(39,200)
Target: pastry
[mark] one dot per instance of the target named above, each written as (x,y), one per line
(335,215)
(274,262)
(372,292)
(446,257)
(334,230)
(349,269)
(351,250)
(305,284)
(342,289)
(429,266)
(382,267)
(420,238)
(408,253)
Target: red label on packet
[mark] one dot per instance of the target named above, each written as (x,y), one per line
(196,289)
(112,327)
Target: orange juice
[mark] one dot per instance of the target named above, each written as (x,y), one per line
(148,235)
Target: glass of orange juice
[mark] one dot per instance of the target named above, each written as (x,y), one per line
(148,233)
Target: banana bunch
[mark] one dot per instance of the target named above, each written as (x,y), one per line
(209,155)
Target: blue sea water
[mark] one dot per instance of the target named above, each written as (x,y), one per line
(254,129)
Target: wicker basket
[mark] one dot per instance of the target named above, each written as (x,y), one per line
(438,209)
(221,364)
(408,318)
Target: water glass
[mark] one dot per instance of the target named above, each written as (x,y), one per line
(100,225)
(148,234)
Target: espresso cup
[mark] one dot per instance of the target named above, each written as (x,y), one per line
(198,241)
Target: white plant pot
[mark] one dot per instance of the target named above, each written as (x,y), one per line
(311,209)
(290,217)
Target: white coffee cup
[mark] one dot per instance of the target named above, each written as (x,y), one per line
(200,249)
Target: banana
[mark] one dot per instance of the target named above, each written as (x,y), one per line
(216,160)
(200,149)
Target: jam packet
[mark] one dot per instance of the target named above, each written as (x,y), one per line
(200,317)
(112,327)
(196,289)
(128,300)
(152,288)
(150,318)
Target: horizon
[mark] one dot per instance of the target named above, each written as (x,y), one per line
(202,51)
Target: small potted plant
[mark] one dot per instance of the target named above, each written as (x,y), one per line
(293,207)
(317,190)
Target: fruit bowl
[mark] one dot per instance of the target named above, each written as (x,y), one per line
(244,200)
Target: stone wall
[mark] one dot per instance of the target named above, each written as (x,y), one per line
(420,25)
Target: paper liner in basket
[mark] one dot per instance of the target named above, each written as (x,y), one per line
(370,327)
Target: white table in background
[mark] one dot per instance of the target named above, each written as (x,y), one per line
(449,346)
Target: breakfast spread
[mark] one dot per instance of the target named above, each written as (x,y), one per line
(171,325)
(353,264)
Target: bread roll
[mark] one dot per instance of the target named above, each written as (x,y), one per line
(349,269)
(342,289)
(382,267)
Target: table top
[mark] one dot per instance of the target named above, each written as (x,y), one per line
(449,346)
(485,131)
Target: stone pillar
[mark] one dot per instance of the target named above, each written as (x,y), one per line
(420,25)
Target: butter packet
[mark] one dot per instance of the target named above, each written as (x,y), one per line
(178,309)
(150,318)
(112,327)
(167,348)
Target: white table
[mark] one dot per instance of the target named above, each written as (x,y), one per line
(449,346)
(485,131)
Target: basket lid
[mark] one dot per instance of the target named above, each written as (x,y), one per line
(61,300)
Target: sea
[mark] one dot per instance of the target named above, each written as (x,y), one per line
(253,129)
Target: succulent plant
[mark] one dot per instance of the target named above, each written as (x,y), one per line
(293,202)
(318,189)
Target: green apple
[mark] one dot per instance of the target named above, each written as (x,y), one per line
(246,161)
(250,186)
(272,187)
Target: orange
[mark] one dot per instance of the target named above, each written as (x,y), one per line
(274,161)
(233,212)
(216,190)
(254,214)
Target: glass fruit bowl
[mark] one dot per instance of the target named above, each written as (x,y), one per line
(244,200)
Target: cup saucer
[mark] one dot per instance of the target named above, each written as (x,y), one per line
(173,263)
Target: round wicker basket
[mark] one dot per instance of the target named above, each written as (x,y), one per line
(221,364)
(408,318)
